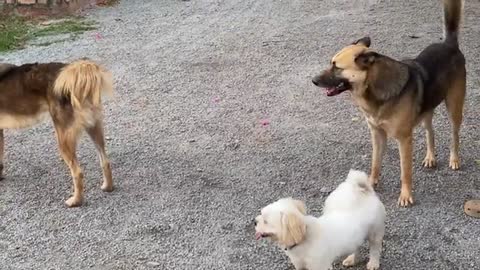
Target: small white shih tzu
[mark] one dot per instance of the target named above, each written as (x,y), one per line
(352,214)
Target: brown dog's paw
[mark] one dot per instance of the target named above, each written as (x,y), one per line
(429,162)
(74,202)
(405,199)
(106,187)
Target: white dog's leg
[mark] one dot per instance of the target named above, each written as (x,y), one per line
(297,264)
(375,243)
(351,260)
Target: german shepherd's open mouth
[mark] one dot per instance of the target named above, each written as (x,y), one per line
(332,85)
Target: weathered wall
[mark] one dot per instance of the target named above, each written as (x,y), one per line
(45,7)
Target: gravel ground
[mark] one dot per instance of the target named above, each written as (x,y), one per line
(215,116)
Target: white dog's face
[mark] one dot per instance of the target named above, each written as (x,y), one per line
(282,222)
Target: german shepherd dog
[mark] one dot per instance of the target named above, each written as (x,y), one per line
(71,94)
(395,96)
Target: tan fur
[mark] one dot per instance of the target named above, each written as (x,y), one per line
(454,102)
(8,121)
(293,229)
(345,59)
(84,81)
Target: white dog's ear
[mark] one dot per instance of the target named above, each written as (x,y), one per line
(293,229)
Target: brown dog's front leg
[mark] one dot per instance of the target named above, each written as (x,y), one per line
(406,163)
(379,140)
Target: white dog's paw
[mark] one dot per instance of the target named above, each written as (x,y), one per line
(349,261)
(373,265)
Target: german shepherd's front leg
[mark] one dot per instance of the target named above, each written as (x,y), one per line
(379,141)
(406,163)
(2,149)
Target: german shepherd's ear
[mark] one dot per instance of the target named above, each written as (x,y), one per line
(366,60)
(386,77)
(363,41)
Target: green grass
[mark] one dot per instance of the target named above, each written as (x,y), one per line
(15,32)
(64,27)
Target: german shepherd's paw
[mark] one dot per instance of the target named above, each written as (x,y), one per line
(373,265)
(454,163)
(429,161)
(373,181)
(406,198)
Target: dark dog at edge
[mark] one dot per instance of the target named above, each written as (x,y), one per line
(395,96)
(71,94)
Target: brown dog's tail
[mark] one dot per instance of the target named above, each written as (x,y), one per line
(452,10)
(83,81)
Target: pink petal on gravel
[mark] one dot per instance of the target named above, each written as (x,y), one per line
(216,99)
(265,122)
(98,36)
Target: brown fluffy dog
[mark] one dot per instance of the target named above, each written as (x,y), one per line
(396,95)
(71,94)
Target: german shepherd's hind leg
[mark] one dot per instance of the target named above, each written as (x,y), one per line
(2,150)
(406,163)
(454,101)
(67,142)
(96,134)
(429,161)
(379,141)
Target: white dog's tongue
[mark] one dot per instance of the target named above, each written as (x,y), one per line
(258,235)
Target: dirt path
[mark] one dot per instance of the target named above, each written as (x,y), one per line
(215,117)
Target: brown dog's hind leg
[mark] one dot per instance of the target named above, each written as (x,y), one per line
(429,161)
(379,141)
(454,102)
(67,142)
(2,150)
(96,134)
(405,147)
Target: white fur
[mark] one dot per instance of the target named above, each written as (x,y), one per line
(352,214)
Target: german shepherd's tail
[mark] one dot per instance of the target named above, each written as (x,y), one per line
(452,10)
(83,82)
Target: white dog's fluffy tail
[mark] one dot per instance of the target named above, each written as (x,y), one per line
(354,193)
(360,179)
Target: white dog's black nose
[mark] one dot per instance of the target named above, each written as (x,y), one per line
(255,222)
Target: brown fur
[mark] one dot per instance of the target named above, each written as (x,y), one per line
(71,95)
(395,96)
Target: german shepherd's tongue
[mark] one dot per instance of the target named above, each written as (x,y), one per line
(332,91)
